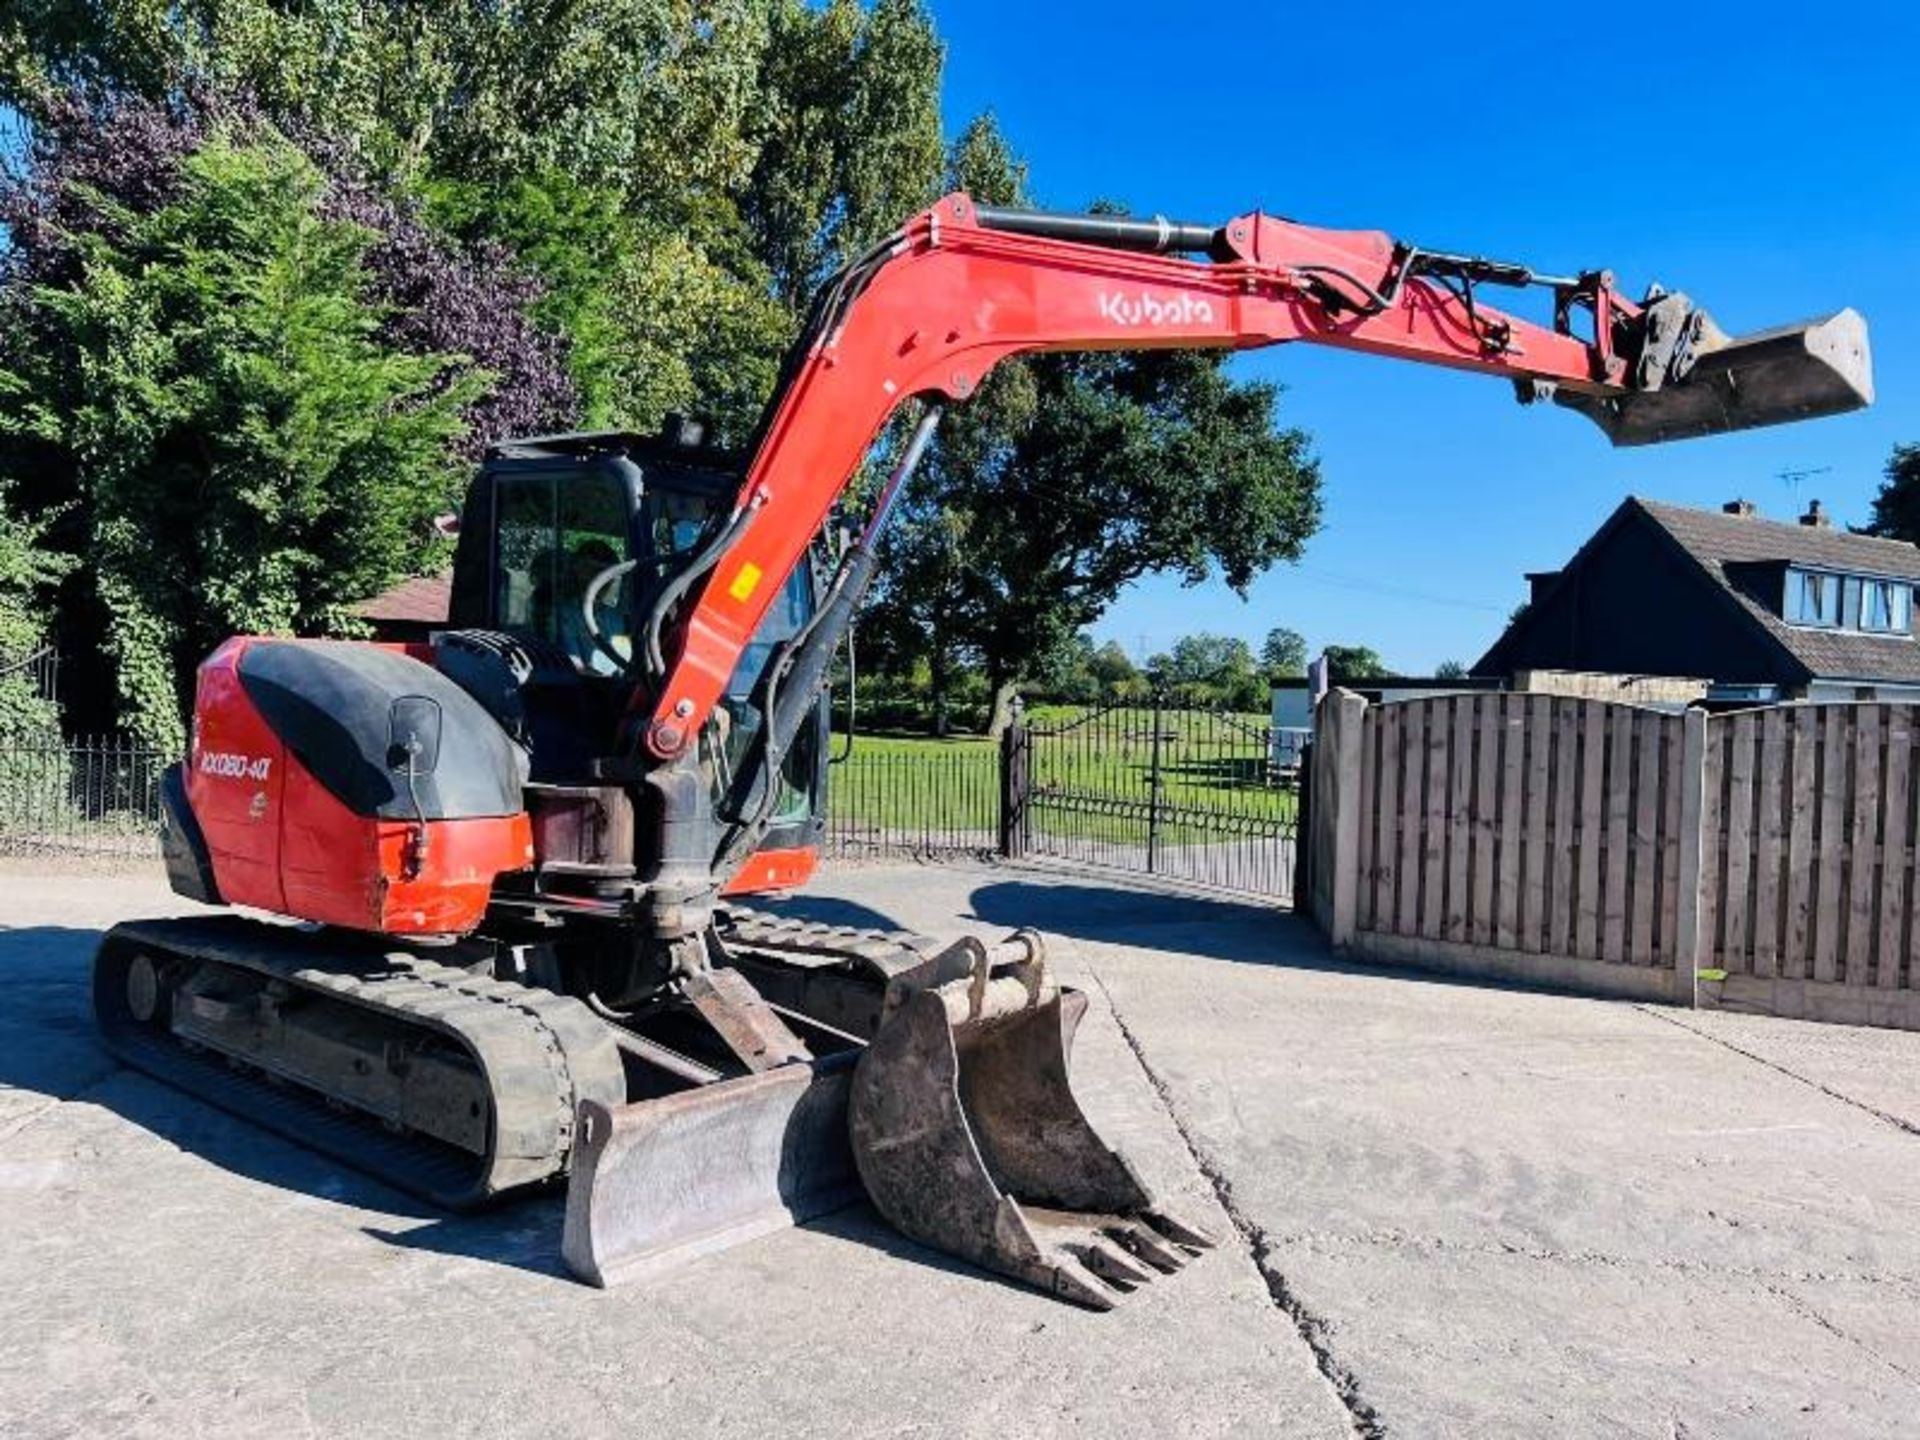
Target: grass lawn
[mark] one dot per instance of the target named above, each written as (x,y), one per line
(1090,781)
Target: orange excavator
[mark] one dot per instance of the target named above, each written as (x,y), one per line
(503,942)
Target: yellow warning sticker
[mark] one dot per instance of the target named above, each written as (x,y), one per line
(745,582)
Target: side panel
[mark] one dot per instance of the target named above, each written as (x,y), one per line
(236,771)
(348,869)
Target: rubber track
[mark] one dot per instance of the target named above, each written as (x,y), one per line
(539,1053)
(881,954)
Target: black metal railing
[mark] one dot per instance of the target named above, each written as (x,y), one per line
(926,798)
(1200,796)
(87,795)
(1178,792)
(40,670)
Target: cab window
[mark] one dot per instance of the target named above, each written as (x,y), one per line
(556,533)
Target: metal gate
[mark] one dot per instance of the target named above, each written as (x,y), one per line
(1203,796)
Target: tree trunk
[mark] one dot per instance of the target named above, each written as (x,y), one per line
(1004,692)
(939,681)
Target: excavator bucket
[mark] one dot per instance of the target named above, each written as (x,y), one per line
(1770,377)
(660,1182)
(968,1137)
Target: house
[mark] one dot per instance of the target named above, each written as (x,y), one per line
(1763,609)
(411,610)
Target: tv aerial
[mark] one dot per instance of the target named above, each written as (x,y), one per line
(1792,478)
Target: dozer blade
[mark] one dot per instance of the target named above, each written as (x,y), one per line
(661,1182)
(1771,377)
(969,1139)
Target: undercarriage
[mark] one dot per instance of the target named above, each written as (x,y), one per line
(800,1067)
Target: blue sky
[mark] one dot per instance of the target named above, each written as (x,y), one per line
(1762,157)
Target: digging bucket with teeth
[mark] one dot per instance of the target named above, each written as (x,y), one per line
(968,1137)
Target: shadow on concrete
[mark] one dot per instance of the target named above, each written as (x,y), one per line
(1218,927)
(49,1045)
(522,1234)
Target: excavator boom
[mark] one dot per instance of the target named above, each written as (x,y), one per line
(962,287)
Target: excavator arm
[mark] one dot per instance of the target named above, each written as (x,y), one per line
(961,287)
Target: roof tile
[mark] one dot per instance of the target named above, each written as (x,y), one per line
(1716,540)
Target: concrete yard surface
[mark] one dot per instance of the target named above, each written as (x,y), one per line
(1444,1210)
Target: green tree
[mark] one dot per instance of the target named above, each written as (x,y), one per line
(658,317)
(652,95)
(1207,669)
(28,571)
(1896,508)
(846,136)
(1077,474)
(1353,662)
(1283,653)
(1450,670)
(251,458)
(1116,675)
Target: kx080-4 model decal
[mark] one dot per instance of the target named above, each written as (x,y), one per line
(228,766)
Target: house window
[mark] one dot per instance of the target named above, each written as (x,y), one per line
(1852,602)
(1813,598)
(1886,606)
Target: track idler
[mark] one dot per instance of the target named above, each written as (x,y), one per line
(969,1139)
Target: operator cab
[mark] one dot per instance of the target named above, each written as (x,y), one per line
(548,516)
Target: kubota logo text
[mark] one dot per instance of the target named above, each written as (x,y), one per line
(1145,309)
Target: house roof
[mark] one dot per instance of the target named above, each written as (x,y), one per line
(1720,544)
(421,600)
(1716,540)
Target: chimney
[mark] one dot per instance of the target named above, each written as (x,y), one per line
(1817,517)
(1737,507)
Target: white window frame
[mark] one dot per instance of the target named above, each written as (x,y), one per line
(1845,599)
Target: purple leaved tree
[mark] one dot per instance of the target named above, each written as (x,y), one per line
(88,154)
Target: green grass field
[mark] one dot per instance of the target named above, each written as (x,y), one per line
(1097,783)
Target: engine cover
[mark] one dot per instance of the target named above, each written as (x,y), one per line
(349,784)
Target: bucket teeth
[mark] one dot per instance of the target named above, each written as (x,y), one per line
(968,1137)
(1110,1262)
(1164,1253)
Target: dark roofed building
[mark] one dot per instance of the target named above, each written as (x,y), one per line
(1765,609)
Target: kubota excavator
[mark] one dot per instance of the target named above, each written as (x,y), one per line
(516,849)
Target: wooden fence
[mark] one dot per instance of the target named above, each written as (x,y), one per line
(1762,860)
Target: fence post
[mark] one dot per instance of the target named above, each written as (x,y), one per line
(1013,782)
(1303,830)
(1153,790)
(1693,840)
(1348,712)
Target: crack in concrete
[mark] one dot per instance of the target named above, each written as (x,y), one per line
(1506,1249)
(1800,1307)
(1312,1328)
(1904,1126)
